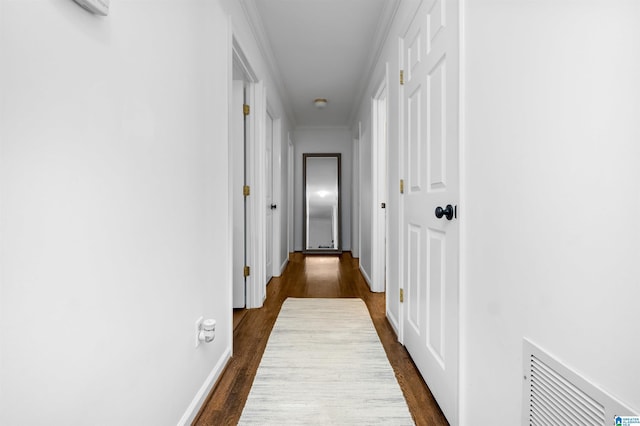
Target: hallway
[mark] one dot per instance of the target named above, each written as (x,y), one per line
(311,276)
(117,187)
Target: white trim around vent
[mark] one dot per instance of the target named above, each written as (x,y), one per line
(553,394)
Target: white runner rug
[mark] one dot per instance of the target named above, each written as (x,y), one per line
(325,365)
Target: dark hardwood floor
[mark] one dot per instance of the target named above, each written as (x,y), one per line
(310,276)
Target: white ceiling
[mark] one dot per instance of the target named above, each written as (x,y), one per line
(321,49)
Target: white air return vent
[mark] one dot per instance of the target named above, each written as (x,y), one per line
(554,395)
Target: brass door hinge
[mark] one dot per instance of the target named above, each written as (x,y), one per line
(401,77)
(246,109)
(247,271)
(246,190)
(401,295)
(402,186)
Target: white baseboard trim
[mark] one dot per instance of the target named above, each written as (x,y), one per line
(194,407)
(284,265)
(394,323)
(366,277)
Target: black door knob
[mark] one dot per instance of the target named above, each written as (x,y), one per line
(446,212)
(273,206)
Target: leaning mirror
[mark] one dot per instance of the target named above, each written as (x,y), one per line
(322,228)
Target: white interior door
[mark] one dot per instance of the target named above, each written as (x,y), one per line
(432,175)
(380,171)
(269,196)
(237,170)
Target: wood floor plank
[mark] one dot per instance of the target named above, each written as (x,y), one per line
(311,276)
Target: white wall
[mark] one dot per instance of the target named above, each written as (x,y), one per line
(552,185)
(366,200)
(283,202)
(113,195)
(324,140)
(355,198)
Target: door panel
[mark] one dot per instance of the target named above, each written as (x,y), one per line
(414,136)
(413,293)
(435,294)
(436,125)
(430,97)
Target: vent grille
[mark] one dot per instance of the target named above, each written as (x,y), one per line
(556,401)
(556,395)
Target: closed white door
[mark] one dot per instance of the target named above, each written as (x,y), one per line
(269,192)
(379,282)
(431,168)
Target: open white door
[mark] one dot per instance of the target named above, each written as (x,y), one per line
(431,115)
(254,110)
(237,170)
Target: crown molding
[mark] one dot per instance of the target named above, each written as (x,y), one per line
(259,34)
(305,128)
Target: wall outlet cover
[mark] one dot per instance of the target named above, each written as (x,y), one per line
(197,330)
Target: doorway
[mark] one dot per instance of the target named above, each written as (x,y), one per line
(380,187)
(248,109)
(270,202)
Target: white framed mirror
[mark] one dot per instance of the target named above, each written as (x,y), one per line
(322,227)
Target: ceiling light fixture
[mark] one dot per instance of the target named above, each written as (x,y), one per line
(320,103)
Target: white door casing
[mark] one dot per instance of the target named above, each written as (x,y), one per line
(290,185)
(359,191)
(255,98)
(431,170)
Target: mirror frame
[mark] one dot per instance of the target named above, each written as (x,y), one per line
(338,248)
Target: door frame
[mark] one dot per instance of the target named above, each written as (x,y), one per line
(400,225)
(359,194)
(380,171)
(290,191)
(254,167)
(240,63)
(277,263)
(276,166)
(269,223)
